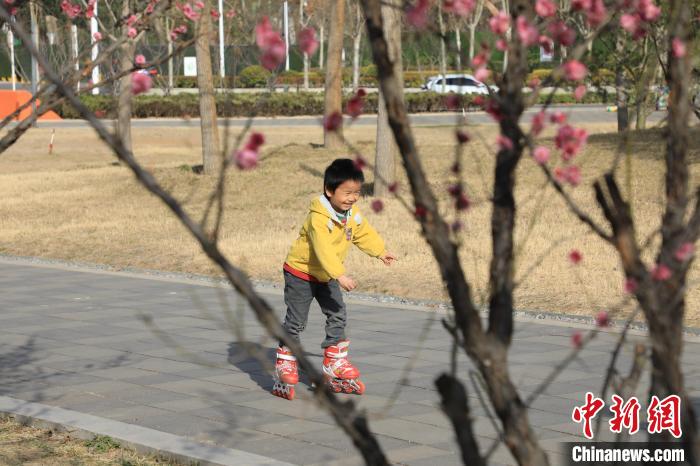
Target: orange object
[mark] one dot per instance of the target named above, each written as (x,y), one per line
(10,101)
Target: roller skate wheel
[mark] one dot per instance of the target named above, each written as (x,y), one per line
(283,390)
(361,387)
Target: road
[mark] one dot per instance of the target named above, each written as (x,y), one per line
(578,114)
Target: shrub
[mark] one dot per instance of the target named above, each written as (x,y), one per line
(254,76)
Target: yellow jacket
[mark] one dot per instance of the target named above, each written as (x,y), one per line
(323,241)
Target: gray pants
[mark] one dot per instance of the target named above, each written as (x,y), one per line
(298,295)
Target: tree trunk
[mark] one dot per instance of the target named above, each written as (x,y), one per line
(386,148)
(126,62)
(621,90)
(334,73)
(211,158)
(443,50)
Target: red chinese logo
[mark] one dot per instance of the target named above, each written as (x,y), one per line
(661,415)
(587,412)
(665,415)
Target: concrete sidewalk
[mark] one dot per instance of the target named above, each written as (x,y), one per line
(76,339)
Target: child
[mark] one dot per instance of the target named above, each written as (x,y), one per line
(314,269)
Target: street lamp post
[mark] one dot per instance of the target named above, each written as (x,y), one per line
(222,51)
(95,51)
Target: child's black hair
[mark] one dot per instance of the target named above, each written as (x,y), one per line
(340,171)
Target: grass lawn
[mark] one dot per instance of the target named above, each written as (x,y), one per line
(30,446)
(77,204)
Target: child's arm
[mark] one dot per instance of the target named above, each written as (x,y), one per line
(368,240)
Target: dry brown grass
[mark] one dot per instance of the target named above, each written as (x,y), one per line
(30,446)
(79,205)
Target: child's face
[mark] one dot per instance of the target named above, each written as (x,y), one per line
(345,195)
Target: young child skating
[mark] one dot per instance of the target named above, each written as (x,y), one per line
(314,269)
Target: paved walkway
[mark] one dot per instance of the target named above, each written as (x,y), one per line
(76,339)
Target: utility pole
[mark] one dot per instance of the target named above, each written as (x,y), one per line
(222,51)
(95,51)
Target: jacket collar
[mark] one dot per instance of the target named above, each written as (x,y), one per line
(331,211)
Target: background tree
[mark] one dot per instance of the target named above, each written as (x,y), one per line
(334,74)
(211,156)
(386,150)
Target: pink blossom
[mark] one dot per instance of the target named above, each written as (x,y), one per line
(356,104)
(150,8)
(648,10)
(538,122)
(570,141)
(270,43)
(459,7)
(678,47)
(558,118)
(90,9)
(630,285)
(577,339)
(462,136)
(255,141)
(246,159)
(199,4)
(453,101)
(97,36)
(578,5)
(70,10)
(570,174)
(580,92)
(502,44)
(541,154)
(308,42)
(504,142)
(527,33)
(131,20)
(602,319)
(534,82)
(132,32)
(546,43)
(462,202)
(333,121)
(630,23)
(596,13)
(660,272)
(231,13)
(189,12)
(360,162)
(479,60)
(545,8)
(684,252)
(575,256)
(214,13)
(377,205)
(562,33)
(140,60)
(140,83)
(499,23)
(574,70)
(482,74)
(417,14)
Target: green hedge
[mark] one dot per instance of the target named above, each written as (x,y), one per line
(277,104)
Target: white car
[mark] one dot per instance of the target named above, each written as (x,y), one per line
(457,83)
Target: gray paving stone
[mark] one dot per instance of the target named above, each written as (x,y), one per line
(77,340)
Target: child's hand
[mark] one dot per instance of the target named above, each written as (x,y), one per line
(387,258)
(347,283)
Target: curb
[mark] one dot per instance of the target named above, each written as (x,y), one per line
(691,334)
(140,439)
